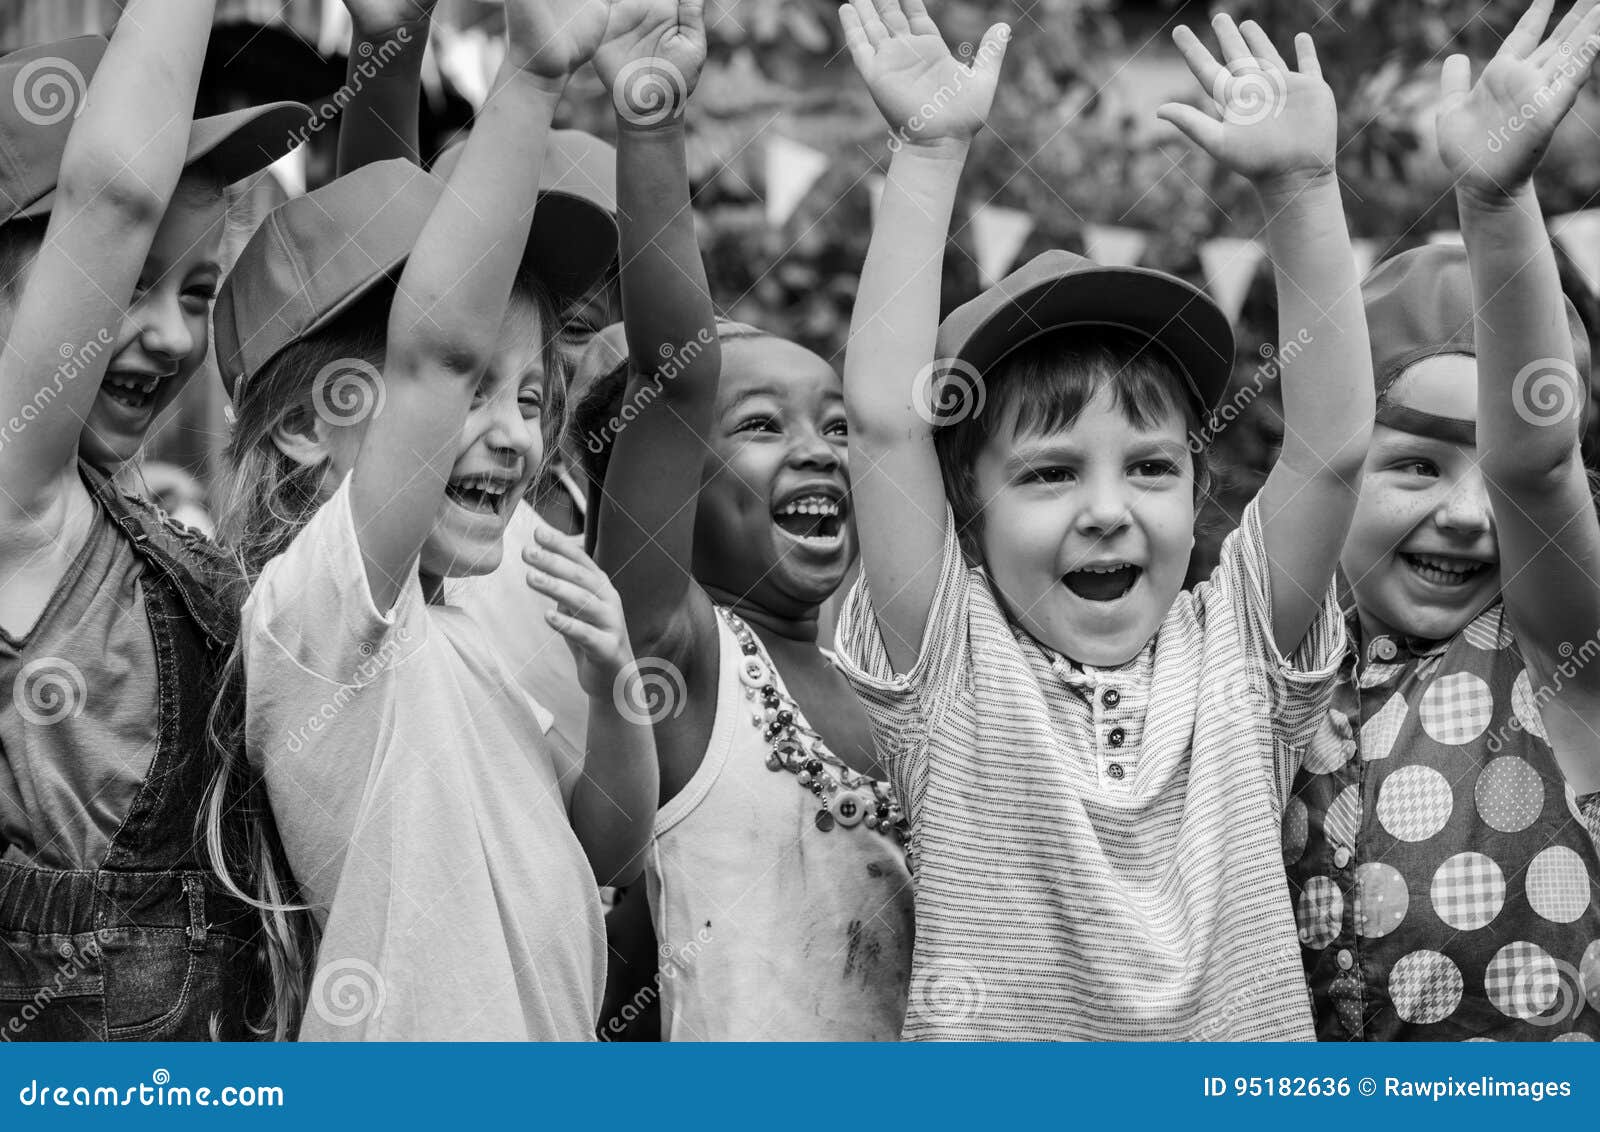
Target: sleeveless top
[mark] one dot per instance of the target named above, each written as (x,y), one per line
(770,927)
(1445,885)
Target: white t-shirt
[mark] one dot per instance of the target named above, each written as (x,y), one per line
(419,808)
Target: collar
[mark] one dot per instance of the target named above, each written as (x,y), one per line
(1390,648)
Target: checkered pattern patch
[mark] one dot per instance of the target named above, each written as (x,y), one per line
(1381,899)
(1468,891)
(1380,731)
(1295,830)
(1425,987)
(1329,749)
(1319,912)
(1457,708)
(1572,1036)
(1414,803)
(1526,708)
(1489,630)
(1589,974)
(1522,980)
(1558,885)
(1509,794)
(1343,820)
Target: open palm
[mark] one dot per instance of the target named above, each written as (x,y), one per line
(1264,119)
(652,56)
(921,88)
(1493,134)
(553,38)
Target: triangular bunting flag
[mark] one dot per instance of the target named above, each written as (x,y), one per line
(1111,246)
(1578,233)
(998,234)
(290,171)
(1366,254)
(334,34)
(1230,266)
(792,168)
(1446,237)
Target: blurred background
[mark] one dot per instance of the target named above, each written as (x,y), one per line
(787,150)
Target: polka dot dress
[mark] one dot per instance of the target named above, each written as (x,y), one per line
(1445,880)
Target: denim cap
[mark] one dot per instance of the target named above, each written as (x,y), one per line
(1057,289)
(42,89)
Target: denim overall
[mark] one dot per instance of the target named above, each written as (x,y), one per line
(148,946)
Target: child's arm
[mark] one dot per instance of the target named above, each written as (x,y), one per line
(121,165)
(614,803)
(384,78)
(1530,396)
(1277,126)
(650,62)
(455,289)
(895,482)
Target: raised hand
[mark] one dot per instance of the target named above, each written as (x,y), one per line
(651,57)
(924,93)
(1265,120)
(1493,135)
(553,38)
(588,612)
(373,17)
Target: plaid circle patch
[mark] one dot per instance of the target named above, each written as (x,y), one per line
(1456,708)
(1468,891)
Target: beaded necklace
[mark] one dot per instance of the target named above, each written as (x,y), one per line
(848,799)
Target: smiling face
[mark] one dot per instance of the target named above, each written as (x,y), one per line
(773,524)
(163,336)
(499,452)
(1087,530)
(1422,558)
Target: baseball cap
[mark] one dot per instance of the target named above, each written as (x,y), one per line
(574,236)
(46,85)
(1058,289)
(1419,305)
(315,256)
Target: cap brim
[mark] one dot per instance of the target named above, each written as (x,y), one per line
(1177,317)
(231,146)
(572,242)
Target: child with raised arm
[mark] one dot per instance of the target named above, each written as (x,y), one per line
(125,892)
(777,882)
(1094,760)
(1443,877)
(385,430)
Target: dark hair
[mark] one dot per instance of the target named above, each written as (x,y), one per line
(20,241)
(1043,385)
(266,498)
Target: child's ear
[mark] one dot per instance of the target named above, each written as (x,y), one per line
(301,435)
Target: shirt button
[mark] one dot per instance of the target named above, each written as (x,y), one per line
(1115,771)
(1346,960)
(1382,649)
(1111,697)
(1341,858)
(1116,736)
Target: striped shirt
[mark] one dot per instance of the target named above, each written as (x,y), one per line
(1096,851)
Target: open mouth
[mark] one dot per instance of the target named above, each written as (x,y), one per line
(484,493)
(814,520)
(134,391)
(1445,569)
(1107,582)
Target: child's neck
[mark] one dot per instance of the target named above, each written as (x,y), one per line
(802,626)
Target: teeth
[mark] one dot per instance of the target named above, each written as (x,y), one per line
(1105,569)
(133,384)
(811,505)
(1448,565)
(489,485)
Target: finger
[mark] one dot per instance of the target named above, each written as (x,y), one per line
(1305,53)
(585,637)
(568,594)
(855,36)
(1455,81)
(917,16)
(992,50)
(1205,68)
(1260,46)
(1524,38)
(1196,125)
(562,563)
(871,22)
(692,17)
(893,18)
(1563,34)
(1234,48)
